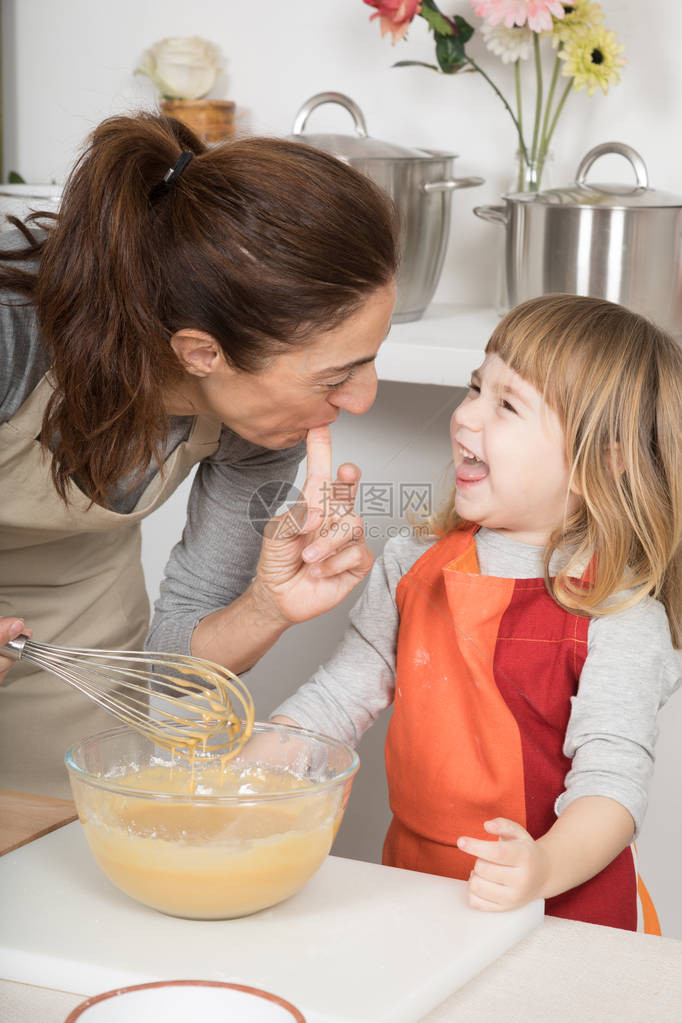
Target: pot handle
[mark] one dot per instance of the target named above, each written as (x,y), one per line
(330,97)
(451,184)
(630,154)
(494,214)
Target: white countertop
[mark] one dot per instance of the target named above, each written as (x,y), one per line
(564,972)
(443,347)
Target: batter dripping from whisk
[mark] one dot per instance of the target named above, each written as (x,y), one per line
(192,697)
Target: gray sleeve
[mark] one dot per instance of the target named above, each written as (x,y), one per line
(216,558)
(346,695)
(630,671)
(23,360)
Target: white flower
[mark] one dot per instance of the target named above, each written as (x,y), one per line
(509,44)
(181,67)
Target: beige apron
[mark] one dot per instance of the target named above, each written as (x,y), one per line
(74,573)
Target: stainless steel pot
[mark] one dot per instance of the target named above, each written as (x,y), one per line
(419,181)
(615,241)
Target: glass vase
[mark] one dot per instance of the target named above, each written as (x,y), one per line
(533,173)
(530,175)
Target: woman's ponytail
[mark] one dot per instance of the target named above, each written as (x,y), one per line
(97,301)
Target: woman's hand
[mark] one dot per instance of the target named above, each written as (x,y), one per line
(10,628)
(316,553)
(311,558)
(507,873)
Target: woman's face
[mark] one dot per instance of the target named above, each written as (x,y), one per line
(305,387)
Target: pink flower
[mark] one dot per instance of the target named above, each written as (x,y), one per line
(537,13)
(395,16)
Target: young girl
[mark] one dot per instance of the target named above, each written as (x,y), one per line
(528,650)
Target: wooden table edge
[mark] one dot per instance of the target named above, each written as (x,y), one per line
(57,813)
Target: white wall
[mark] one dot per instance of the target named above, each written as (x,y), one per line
(68,64)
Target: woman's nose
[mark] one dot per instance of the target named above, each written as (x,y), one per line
(358,395)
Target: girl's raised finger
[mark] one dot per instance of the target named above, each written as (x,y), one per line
(505,828)
(494,852)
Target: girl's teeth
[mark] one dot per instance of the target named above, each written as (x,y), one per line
(468,457)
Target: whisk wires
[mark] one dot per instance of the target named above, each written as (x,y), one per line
(192,710)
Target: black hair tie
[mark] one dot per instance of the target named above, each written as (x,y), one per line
(171,176)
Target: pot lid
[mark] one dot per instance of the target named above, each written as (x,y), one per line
(351,147)
(636,195)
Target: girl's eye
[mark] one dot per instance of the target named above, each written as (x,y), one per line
(340,383)
(474,387)
(507,406)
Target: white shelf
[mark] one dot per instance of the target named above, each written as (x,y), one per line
(443,347)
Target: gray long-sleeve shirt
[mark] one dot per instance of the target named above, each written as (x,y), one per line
(630,671)
(216,558)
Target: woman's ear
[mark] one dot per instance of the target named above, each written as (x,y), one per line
(198,353)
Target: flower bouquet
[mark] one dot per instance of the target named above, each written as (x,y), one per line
(585,52)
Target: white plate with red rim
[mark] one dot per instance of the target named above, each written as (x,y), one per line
(179,1001)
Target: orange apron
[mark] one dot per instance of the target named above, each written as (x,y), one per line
(485,671)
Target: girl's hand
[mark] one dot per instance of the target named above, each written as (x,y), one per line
(10,628)
(508,873)
(316,553)
(273,749)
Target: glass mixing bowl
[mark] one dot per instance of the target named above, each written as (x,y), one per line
(211,839)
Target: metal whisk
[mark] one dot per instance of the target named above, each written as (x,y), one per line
(193,710)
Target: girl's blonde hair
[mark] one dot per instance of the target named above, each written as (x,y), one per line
(615,381)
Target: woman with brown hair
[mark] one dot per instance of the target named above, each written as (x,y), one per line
(187,305)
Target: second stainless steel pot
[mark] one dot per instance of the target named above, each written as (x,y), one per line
(419,181)
(619,242)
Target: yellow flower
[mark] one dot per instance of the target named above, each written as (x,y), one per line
(578,16)
(592,58)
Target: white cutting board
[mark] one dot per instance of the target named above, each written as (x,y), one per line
(361,943)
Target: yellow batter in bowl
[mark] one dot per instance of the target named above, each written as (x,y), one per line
(214,839)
